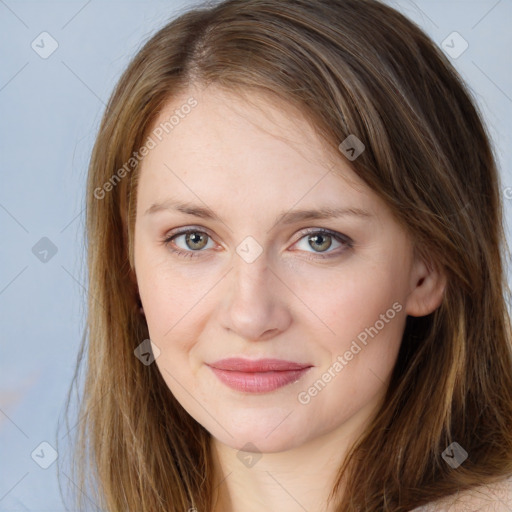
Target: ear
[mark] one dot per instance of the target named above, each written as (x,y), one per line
(427,286)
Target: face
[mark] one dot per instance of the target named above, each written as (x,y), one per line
(322,300)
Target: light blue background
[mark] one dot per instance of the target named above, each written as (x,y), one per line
(50,112)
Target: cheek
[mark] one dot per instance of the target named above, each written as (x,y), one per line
(162,303)
(175,311)
(167,293)
(351,299)
(361,315)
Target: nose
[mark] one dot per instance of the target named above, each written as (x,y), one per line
(256,302)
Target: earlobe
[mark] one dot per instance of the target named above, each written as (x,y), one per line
(427,286)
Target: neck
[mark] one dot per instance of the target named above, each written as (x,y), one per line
(276,482)
(295,480)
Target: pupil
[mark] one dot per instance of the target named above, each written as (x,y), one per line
(195,238)
(321,237)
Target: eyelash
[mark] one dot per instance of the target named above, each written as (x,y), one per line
(343,239)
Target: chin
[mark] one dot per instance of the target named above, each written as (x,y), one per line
(266,435)
(257,442)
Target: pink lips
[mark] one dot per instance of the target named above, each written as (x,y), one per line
(257,376)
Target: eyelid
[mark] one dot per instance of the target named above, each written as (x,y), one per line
(345,242)
(336,234)
(343,239)
(170,235)
(189,227)
(183,230)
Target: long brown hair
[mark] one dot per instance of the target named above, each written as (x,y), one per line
(353,67)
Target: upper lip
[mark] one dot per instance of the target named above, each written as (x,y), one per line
(257,365)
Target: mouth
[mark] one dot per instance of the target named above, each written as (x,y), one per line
(258,376)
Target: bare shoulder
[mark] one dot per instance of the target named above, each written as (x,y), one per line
(495,497)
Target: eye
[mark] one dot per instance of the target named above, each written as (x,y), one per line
(194,241)
(321,240)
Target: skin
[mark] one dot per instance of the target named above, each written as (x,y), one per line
(248,160)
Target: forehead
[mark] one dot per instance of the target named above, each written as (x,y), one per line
(242,148)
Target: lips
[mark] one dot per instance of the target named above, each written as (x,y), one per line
(258,365)
(257,376)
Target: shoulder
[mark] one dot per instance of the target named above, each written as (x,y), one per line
(495,497)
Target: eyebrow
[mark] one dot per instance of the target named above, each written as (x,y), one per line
(287,217)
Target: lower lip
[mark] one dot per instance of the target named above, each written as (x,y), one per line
(258,382)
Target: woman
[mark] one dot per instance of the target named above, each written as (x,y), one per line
(297,296)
